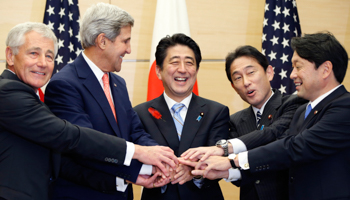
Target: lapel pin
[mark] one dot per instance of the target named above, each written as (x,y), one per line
(200,116)
(115,85)
(316,111)
(269,117)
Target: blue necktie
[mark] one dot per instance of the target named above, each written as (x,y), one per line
(178,124)
(258,118)
(308,110)
(177,117)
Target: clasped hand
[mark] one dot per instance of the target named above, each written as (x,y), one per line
(207,162)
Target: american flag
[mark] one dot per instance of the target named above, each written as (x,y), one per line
(281,23)
(62,16)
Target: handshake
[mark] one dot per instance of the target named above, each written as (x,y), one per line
(206,162)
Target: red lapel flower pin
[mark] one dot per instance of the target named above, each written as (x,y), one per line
(155,113)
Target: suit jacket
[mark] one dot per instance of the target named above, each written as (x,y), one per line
(31,138)
(275,120)
(205,132)
(74,94)
(317,152)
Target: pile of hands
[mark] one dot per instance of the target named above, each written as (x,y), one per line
(206,162)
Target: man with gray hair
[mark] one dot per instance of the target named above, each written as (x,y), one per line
(31,137)
(88,94)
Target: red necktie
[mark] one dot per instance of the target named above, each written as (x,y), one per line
(107,91)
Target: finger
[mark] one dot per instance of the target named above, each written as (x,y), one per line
(178,174)
(188,162)
(199,164)
(162,168)
(195,155)
(205,156)
(162,183)
(177,179)
(151,180)
(197,172)
(166,149)
(206,171)
(184,154)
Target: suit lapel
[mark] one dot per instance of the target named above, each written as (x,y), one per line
(166,126)
(191,124)
(248,121)
(335,94)
(91,83)
(117,95)
(270,109)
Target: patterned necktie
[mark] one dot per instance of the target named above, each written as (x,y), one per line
(177,118)
(107,91)
(308,110)
(258,118)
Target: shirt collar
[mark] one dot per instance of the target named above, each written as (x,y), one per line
(170,102)
(255,110)
(97,71)
(320,98)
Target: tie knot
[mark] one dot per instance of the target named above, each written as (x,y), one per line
(105,79)
(177,107)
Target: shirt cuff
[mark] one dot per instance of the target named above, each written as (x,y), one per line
(243,160)
(130,150)
(146,169)
(233,175)
(121,185)
(237,145)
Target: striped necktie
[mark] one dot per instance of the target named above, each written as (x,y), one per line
(177,118)
(258,118)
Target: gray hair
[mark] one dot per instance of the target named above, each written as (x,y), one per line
(15,38)
(103,18)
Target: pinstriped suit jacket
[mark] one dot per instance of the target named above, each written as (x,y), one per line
(276,118)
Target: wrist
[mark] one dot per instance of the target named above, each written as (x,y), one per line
(223,144)
(230,148)
(137,152)
(231,158)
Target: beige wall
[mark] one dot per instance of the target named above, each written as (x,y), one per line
(217,27)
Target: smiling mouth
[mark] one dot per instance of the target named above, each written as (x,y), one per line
(181,79)
(40,73)
(298,84)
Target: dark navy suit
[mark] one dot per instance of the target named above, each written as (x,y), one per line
(76,95)
(317,152)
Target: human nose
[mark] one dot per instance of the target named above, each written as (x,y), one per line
(128,49)
(246,81)
(293,75)
(182,67)
(42,61)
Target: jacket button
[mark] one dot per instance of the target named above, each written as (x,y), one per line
(291,179)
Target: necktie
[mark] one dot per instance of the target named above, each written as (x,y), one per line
(308,110)
(258,118)
(107,91)
(177,118)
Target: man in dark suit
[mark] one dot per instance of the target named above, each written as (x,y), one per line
(250,74)
(317,150)
(202,121)
(31,137)
(78,94)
